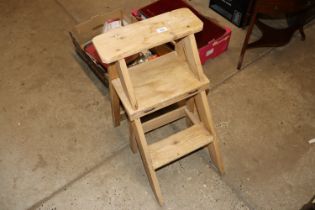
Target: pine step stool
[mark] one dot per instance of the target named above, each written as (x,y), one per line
(152,86)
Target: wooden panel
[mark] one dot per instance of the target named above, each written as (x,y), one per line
(159,83)
(131,39)
(179,145)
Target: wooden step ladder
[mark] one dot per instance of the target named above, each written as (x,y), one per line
(174,78)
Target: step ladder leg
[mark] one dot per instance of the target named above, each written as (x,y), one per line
(206,117)
(190,105)
(132,139)
(114,99)
(146,159)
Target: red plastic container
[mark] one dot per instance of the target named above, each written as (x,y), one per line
(211,41)
(215,47)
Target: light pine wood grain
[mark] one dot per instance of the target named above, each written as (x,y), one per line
(179,145)
(169,79)
(192,117)
(114,99)
(146,159)
(127,83)
(187,48)
(126,41)
(206,118)
(159,83)
(164,119)
(132,138)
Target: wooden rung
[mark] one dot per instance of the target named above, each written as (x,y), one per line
(164,119)
(179,145)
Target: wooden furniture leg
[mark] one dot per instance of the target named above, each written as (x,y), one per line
(206,117)
(190,105)
(301,29)
(114,99)
(274,37)
(132,139)
(146,159)
(249,32)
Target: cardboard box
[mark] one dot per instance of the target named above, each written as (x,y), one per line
(83,33)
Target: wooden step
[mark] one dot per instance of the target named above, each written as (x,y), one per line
(159,83)
(179,145)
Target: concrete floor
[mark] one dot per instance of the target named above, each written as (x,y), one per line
(59,150)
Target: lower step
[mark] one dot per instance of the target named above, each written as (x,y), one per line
(179,145)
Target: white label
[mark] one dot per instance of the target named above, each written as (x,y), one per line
(209,52)
(161,30)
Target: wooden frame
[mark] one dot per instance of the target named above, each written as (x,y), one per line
(151,86)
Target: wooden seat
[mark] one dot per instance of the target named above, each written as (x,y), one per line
(149,87)
(133,38)
(160,83)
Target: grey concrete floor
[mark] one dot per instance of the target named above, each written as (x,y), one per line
(59,150)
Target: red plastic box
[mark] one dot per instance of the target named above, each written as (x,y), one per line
(211,41)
